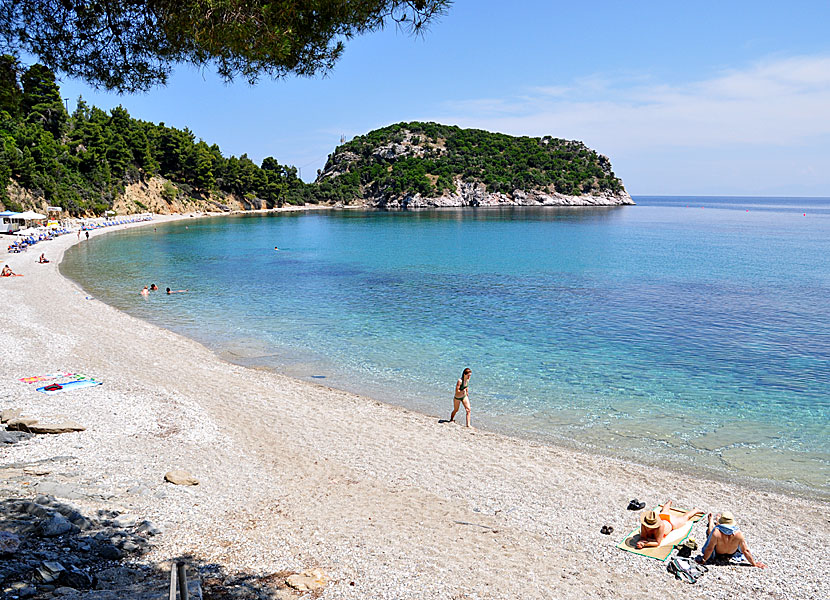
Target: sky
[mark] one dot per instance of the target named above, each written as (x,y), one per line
(704,98)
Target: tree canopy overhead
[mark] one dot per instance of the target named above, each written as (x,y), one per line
(132,45)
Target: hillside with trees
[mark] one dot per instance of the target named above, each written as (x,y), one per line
(428,164)
(92,161)
(83,161)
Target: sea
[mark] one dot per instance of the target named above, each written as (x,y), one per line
(687,332)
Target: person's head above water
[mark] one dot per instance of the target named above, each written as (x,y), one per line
(153,286)
(466,373)
(168,290)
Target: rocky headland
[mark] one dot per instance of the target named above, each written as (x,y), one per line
(427,165)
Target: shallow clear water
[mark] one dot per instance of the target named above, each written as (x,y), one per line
(693,332)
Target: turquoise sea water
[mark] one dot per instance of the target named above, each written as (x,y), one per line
(693,332)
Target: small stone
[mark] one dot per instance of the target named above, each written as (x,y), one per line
(180,477)
(49,571)
(37,471)
(9,543)
(148,528)
(307,581)
(129,546)
(56,525)
(12,437)
(77,579)
(27,592)
(123,521)
(110,552)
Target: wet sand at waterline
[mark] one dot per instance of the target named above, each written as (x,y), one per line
(388,502)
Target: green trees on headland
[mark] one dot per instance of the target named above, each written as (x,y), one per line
(82,161)
(428,159)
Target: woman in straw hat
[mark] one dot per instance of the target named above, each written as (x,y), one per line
(655,526)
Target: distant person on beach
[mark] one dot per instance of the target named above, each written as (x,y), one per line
(145,291)
(43,259)
(724,541)
(461,396)
(87,234)
(79,234)
(655,526)
(153,287)
(6,272)
(169,291)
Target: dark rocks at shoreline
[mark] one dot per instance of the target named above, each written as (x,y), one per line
(49,547)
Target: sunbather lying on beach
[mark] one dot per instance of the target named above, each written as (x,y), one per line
(724,541)
(655,526)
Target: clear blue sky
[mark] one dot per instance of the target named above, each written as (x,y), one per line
(715,98)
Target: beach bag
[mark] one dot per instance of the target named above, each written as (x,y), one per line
(685,569)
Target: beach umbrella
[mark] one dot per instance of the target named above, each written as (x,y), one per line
(8,213)
(30,215)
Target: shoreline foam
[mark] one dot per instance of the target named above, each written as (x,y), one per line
(296,475)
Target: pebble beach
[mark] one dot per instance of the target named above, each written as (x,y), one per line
(295,477)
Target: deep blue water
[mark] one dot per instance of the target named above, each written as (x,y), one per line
(687,331)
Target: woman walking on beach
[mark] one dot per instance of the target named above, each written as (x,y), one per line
(461,396)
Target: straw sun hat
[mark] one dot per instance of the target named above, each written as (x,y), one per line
(726,518)
(650,520)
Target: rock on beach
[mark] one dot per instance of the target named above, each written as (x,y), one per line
(180,477)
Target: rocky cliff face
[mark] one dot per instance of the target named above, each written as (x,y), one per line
(476,194)
(155,195)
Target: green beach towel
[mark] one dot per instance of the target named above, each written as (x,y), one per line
(663,551)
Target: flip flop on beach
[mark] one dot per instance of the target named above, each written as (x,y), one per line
(606,530)
(636,505)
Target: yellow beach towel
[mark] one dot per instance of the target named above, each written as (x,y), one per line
(661,552)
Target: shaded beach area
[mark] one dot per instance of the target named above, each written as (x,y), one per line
(387,502)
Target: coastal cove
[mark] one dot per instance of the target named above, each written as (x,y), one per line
(414,509)
(605,329)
